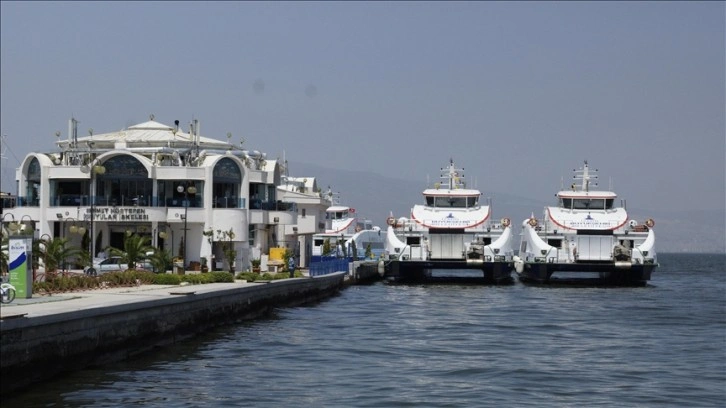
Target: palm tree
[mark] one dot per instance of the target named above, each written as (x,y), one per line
(135,249)
(56,252)
(161,260)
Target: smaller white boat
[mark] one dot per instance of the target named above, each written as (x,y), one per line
(450,237)
(346,235)
(586,237)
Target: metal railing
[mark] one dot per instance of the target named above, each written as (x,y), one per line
(272,205)
(82,200)
(328,267)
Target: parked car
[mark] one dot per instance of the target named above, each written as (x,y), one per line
(113,264)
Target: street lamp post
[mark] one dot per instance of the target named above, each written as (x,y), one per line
(32,225)
(73,228)
(12,226)
(93,170)
(188,190)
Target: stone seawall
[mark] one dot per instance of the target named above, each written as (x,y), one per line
(41,347)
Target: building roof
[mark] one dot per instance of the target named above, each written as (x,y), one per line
(147,134)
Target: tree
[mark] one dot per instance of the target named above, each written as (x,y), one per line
(161,260)
(326,246)
(135,249)
(226,240)
(56,252)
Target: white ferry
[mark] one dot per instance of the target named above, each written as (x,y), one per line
(450,237)
(346,234)
(586,237)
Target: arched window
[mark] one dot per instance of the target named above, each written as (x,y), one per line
(125,182)
(226,180)
(32,188)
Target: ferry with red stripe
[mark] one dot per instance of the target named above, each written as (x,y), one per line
(450,237)
(586,237)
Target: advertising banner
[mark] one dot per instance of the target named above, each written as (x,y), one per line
(20,251)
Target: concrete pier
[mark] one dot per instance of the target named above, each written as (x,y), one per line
(43,337)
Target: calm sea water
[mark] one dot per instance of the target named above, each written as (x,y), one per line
(445,346)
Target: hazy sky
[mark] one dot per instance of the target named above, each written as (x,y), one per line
(518,93)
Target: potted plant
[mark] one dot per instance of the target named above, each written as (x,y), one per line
(203,260)
(255,265)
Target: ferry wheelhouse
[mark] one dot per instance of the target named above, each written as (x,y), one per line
(586,236)
(450,237)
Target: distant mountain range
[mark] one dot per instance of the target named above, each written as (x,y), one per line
(375,197)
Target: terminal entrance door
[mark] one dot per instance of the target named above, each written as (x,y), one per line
(117,240)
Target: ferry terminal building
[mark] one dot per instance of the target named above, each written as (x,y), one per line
(153,180)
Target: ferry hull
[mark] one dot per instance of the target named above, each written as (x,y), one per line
(607,273)
(449,272)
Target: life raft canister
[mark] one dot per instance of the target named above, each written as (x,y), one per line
(532,222)
(505,222)
(649,223)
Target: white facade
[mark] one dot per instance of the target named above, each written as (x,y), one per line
(153,179)
(311,205)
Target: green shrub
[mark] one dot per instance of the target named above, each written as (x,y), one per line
(198,278)
(64,283)
(40,287)
(167,279)
(248,276)
(222,277)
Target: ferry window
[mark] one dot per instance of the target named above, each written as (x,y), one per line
(430,201)
(609,203)
(303,212)
(458,202)
(566,203)
(451,202)
(598,204)
(473,201)
(581,204)
(318,242)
